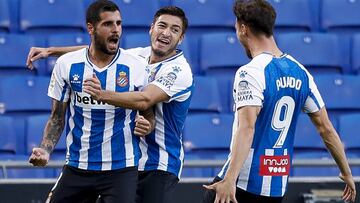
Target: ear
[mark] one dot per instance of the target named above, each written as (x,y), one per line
(90,28)
(243,29)
(181,39)
(151,28)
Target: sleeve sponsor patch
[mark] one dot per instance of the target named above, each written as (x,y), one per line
(244,92)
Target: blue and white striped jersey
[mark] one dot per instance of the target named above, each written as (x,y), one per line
(99,135)
(162,149)
(282,87)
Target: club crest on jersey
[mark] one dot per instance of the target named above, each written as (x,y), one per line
(122,79)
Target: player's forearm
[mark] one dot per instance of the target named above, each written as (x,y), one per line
(239,151)
(54,126)
(129,100)
(58,51)
(335,147)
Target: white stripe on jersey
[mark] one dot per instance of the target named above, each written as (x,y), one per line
(69,136)
(181,156)
(160,139)
(245,171)
(144,155)
(106,144)
(129,150)
(266,183)
(85,140)
(284,178)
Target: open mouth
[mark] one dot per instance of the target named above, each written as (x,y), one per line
(113,40)
(164,41)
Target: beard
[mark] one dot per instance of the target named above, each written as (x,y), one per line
(101,45)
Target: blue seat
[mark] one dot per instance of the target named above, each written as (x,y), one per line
(130,11)
(25,94)
(340,92)
(315,170)
(8,138)
(285,18)
(221,53)
(206,95)
(67,39)
(208,132)
(355,53)
(4,16)
(306,136)
(14,49)
(318,52)
(52,16)
(349,129)
(34,131)
(340,15)
(205,13)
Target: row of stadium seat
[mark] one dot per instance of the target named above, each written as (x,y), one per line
(314,15)
(212,127)
(21,94)
(214,53)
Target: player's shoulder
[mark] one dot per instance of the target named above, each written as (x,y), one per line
(177,62)
(73,57)
(131,57)
(143,52)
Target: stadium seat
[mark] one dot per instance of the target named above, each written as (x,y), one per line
(349,129)
(68,39)
(206,95)
(14,49)
(340,15)
(221,53)
(340,92)
(318,52)
(205,13)
(34,131)
(52,16)
(355,53)
(132,9)
(208,132)
(314,170)
(4,16)
(285,18)
(8,138)
(25,94)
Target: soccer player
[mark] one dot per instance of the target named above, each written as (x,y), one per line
(269,93)
(102,152)
(170,89)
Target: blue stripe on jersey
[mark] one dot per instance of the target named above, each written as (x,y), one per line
(118,141)
(315,100)
(152,151)
(76,75)
(97,130)
(76,133)
(276,181)
(135,139)
(174,117)
(64,88)
(185,90)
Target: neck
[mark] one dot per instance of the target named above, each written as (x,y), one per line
(155,58)
(99,58)
(264,44)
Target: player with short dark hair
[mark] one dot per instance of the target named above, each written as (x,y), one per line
(102,150)
(269,93)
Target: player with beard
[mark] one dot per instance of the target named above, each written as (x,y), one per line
(170,89)
(102,151)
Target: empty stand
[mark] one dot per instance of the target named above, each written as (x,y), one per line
(355,57)
(287,21)
(318,52)
(349,129)
(8,138)
(4,16)
(68,39)
(340,15)
(206,95)
(14,49)
(52,16)
(25,94)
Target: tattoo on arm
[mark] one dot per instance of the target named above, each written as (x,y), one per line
(54,126)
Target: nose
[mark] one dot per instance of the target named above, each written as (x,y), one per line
(166,32)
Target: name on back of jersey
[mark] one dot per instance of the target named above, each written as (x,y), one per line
(288,82)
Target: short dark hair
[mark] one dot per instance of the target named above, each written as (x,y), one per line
(174,11)
(259,15)
(97,7)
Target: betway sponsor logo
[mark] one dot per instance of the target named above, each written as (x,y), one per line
(87,100)
(274,165)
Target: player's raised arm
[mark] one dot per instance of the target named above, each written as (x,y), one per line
(54,127)
(37,53)
(333,143)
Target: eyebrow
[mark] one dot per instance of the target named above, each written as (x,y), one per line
(174,25)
